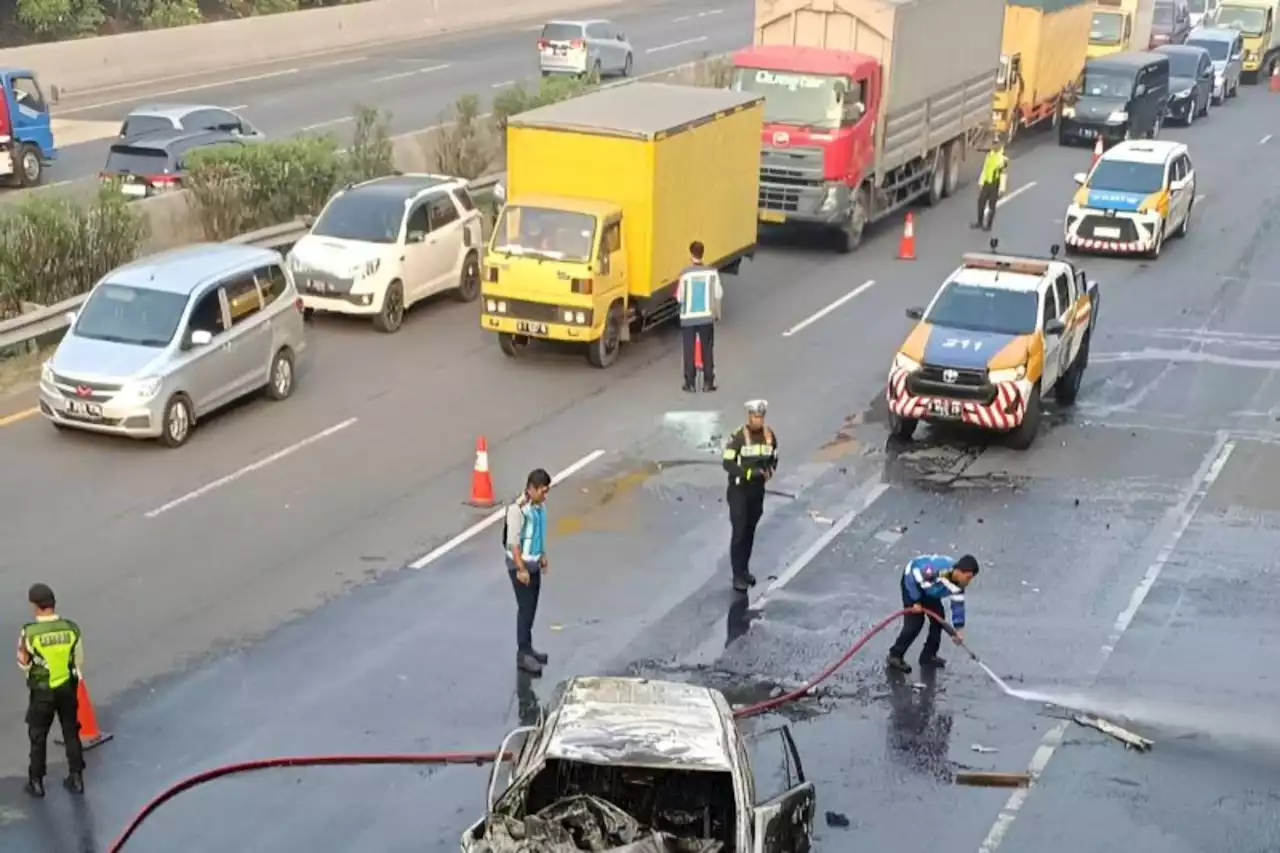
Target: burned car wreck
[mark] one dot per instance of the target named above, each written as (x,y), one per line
(632,765)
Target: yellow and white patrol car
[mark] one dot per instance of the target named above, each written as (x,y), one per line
(1000,333)
(1137,194)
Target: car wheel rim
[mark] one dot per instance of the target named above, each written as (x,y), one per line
(395,308)
(284,376)
(31,166)
(179,421)
(473,277)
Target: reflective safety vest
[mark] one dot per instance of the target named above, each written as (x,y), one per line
(533,534)
(744,457)
(53,652)
(993,167)
(697,295)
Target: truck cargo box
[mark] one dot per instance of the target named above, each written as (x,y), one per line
(1051,40)
(939,57)
(681,161)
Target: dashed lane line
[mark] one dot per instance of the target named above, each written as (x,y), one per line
(827,309)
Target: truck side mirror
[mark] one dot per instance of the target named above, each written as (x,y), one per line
(1054,327)
(1080,178)
(55,95)
(915,313)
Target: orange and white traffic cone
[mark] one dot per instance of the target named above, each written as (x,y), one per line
(481,479)
(1274,84)
(90,734)
(907,245)
(1097,152)
(697,352)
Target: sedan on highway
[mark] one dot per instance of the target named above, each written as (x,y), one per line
(1190,82)
(153,164)
(163,341)
(167,118)
(584,47)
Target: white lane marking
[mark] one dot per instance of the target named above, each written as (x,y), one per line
(502,85)
(493,517)
(1264,140)
(50,186)
(867,494)
(149,96)
(822,312)
(1010,196)
(238,107)
(404,74)
(705,14)
(1179,516)
(676,44)
(330,123)
(1199,197)
(249,469)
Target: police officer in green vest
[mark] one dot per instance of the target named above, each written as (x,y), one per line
(994,167)
(51,654)
(750,459)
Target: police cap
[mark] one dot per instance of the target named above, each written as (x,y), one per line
(757,407)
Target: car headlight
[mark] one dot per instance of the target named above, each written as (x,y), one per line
(1118,116)
(902,362)
(1009,374)
(141,389)
(1068,112)
(829,199)
(46,374)
(1185,93)
(495,306)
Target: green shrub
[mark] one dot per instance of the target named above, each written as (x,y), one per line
(464,143)
(371,154)
(517,99)
(54,248)
(714,72)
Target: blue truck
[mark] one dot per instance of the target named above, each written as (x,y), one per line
(26,130)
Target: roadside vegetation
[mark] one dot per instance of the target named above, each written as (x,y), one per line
(29,21)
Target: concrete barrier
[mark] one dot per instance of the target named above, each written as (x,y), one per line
(106,62)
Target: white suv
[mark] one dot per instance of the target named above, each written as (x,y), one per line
(380,246)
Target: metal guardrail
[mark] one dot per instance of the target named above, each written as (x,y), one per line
(20,332)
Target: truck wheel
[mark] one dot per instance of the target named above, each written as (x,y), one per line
(603,351)
(30,166)
(955,154)
(511,345)
(849,237)
(1068,387)
(902,428)
(1025,435)
(937,180)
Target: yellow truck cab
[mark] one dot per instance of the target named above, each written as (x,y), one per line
(1120,25)
(1042,54)
(604,195)
(1256,21)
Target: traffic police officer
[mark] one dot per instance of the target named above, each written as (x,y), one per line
(699,293)
(928,581)
(994,167)
(51,654)
(750,458)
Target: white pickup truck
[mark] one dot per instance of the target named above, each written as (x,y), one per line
(641,766)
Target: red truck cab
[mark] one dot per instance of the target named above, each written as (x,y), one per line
(818,140)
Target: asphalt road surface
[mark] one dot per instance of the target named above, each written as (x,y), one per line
(247,596)
(417,82)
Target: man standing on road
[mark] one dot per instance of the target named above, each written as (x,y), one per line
(750,458)
(994,167)
(51,654)
(524,535)
(927,582)
(699,293)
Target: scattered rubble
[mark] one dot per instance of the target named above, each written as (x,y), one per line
(1128,738)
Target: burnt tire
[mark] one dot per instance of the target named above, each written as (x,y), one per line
(902,428)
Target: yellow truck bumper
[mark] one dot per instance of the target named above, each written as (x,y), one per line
(541,331)
(1251,64)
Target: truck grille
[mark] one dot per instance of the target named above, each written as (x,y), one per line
(779,198)
(929,381)
(538,312)
(1128,228)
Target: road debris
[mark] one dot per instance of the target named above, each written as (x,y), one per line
(837,820)
(985,750)
(1128,738)
(992,779)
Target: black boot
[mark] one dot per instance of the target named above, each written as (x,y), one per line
(750,579)
(687,388)
(708,385)
(528,663)
(74,783)
(896,662)
(34,787)
(539,657)
(740,584)
(933,660)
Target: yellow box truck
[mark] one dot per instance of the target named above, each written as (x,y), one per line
(1120,25)
(604,195)
(1042,55)
(1258,22)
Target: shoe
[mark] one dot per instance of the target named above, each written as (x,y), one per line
(74,783)
(709,387)
(539,657)
(528,663)
(750,579)
(935,661)
(741,585)
(688,389)
(898,663)
(35,787)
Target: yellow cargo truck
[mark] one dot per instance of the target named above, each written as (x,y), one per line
(1043,53)
(1120,25)
(604,195)
(1258,22)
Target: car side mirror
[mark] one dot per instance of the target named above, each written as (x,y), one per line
(1055,327)
(1179,184)
(915,313)
(1080,178)
(71,317)
(308,220)
(621,37)
(416,237)
(1236,57)
(201,338)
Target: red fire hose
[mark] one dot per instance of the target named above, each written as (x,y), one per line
(476,758)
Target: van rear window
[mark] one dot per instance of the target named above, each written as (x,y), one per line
(136,161)
(562,32)
(138,125)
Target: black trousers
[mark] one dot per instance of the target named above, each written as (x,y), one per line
(42,707)
(912,624)
(988,195)
(746,505)
(526,608)
(690,334)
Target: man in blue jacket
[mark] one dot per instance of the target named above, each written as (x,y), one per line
(927,582)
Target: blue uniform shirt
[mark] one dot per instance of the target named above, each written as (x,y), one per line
(928,578)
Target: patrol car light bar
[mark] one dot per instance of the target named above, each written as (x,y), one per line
(1002,263)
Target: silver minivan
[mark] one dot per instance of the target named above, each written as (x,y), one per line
(1226,51)
(584,47)
(165,340)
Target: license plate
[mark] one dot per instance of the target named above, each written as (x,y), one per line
(772,216)
(1088,132)
(529,328)
(133,189)
(945,408)
(315,286)
(84,410)
(1112,233)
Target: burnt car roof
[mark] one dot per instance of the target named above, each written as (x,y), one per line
(639,722)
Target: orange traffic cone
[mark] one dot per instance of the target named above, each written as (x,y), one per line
(1274,85)
(481,479)
(907,245)
(1097,152)
(90,734)
(697,352)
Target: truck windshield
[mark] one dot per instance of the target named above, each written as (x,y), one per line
(543,232)
(1107,28)
(1217,49)
(1246,19)
(1126,177)
(807,100)
(984,309)
(131,315)
(1106,84)
(1162,18)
